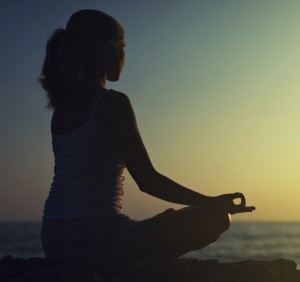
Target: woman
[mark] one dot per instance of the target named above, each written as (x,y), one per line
(94,137)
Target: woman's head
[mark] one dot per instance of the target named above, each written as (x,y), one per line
(87,52)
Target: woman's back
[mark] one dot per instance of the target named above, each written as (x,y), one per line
(88,180)
(70,115)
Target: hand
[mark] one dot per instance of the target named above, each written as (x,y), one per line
(226,202)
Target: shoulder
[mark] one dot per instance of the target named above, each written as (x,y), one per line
(112,101)
(122,116)
(119,103)
(117,97)
(114,110)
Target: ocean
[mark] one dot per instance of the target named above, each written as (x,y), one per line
(243,241)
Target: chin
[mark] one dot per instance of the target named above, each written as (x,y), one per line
(113,78)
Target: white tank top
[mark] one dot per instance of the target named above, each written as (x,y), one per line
(88,174)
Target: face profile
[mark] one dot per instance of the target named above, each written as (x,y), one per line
(116,60)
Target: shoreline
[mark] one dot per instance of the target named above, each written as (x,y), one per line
(178,270)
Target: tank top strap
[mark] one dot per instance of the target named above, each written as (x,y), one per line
(98,99)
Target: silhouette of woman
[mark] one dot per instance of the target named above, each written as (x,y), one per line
(94,137)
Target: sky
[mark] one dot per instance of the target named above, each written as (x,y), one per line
(214,85)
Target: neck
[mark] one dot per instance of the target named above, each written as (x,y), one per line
(102,82)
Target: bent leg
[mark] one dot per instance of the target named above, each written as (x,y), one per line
(174,233)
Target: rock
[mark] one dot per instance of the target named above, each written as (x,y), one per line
(183,270)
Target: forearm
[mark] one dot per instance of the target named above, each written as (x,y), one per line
(166,189)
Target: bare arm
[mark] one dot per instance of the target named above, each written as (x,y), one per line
(128,140)
(123,127)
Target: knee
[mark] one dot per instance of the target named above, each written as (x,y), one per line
(223,220)
(213,226)
(227,221)
(167,211)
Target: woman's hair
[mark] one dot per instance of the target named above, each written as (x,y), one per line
(76,56)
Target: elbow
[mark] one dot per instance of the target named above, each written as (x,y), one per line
(145,186)
(148,183)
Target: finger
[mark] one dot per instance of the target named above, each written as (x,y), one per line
(238,195)
(240,209)
(243,200)
(232,196)
(249,209)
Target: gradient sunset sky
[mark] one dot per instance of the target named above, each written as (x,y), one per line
(214,84)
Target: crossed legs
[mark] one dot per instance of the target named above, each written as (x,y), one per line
(174,233)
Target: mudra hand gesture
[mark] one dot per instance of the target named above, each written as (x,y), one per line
(226,202)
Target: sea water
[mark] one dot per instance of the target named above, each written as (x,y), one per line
(243,241)
(20,239)
(260,241)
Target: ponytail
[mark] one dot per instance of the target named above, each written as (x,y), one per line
(59,75)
